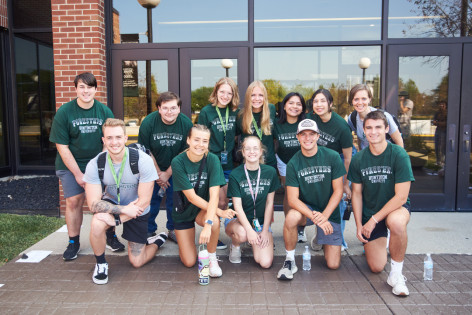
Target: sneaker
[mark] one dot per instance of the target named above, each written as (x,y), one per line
(302,236)
(344,248)
(114,244)
(100,274)
(398,283)
(72,250)
(235,254)
(158,239)
(215,270)
(314,243)
(287,271)
(221,245)
(171,236)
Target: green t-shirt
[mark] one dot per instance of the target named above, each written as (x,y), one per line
(209,117)
(164,141)
(267,140)
(286,136)
(81,130)
(239,187)
(313,176)
(378,176)
(334,134)
(185,175)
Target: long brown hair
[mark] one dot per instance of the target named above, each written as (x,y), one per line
(214,94)
(246,112)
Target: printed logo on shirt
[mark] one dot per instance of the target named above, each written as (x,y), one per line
(312,174)
(194,176)
(262,183)
(325,138)
(377,174)
(289,139)
(167,139)
(230,126)
(87,125)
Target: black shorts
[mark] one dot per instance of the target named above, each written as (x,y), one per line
(184,225)
(135,230)
(380,229)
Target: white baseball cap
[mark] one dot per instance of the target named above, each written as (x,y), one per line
(307,124)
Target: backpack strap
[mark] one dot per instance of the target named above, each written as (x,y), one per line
(133,160)
(353,118)
(101,161)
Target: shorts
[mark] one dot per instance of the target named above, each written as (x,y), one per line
(335,238)
(228,221)
(69,184)
(380,229)
(227,173)
(184,225)
(281,166)
(135,230)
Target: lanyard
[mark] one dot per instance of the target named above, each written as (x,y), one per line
(259,132)
(117,180)
(222,124)
(253,195)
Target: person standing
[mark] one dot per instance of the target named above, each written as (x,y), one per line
(381,177)
(440,121)
(77,131)
(164,133)
(405,112)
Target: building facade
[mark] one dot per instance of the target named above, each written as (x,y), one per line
(419,49)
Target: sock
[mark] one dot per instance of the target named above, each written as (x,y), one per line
(290,254)
(212,256)
(74,239)
(396,267)
(111,232)
(161,239)
(101,259)
(300,229)
(233,246)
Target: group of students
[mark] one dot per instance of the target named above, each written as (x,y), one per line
(309,153)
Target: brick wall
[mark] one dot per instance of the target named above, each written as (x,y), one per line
(3,14)
(78,28)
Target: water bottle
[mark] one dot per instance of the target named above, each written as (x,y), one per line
(161,192)
(306,259)
(203,266)
(428,268)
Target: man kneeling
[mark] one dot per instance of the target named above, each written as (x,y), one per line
(126,198)
(314,184)
(381,176)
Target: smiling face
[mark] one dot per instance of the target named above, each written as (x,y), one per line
(293,107)
(85,93)
(114,139)
(224,95)
(308,141)
(169,112)
(252,150)
(198,142)
(321,105)
(375,130)
(361,101)
(257,99)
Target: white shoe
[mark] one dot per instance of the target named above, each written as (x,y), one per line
(302,236)
(398,283)
(314,243)
(100,274)
(235,254)
(289,268)
(215,270)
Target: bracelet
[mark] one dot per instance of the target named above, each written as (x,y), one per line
(117,219)
(376,222)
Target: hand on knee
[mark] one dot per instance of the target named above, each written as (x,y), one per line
(105,218)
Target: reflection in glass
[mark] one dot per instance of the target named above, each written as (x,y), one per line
(3,140)
(182,21)
(307,69)
(301,20)
(429,18)
(204,74)
(423,87)
(134,91)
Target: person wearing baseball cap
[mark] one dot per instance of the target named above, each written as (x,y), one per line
(314,183)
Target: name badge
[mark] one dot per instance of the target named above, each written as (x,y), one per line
(255,224)
(224,157)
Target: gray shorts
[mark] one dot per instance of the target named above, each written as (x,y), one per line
(69,184)
(335,238)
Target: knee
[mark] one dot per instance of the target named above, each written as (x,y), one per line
(136,263)
(188,262)
(291,220)
(397,228)
(74,203)
(265,263)
(376,267)
(333,265)
(97,227)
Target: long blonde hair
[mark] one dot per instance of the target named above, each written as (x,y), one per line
(214,94)
(246,112)
(263,148)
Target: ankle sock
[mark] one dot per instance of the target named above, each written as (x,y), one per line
(212,256)
(396,267)
(161,239)
(74,239)
(111,232)
(290,255)
(300,229)
(101,259)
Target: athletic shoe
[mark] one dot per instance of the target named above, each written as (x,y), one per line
(72,250)
(288,270)
(171,236)
(221,245)
(302,236)
(235,254)
(398,283)
(158,239)
(100,274)
(314,243)
(215,270)
(114,244)
(343,248)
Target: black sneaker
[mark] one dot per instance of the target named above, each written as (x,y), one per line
(100,274)
(72,250)
(114,244)
(221,245)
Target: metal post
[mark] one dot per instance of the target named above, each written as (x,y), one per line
(148,64)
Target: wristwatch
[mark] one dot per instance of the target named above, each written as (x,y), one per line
(210,222)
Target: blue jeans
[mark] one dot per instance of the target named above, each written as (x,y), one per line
(156,204)
(342,204)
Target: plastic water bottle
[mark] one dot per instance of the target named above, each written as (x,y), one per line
(428,268)
(161,192)
(203,266)
(306,259)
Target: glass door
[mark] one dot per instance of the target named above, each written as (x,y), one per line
(423,91)
(139,76)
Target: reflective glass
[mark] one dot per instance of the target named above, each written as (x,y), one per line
(307,69)
(182,21)
(3,127)
(134,91)
(204,74)
(32,14)
(429,18)
(321,20)
(423,84)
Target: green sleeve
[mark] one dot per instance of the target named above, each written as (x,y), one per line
(203,119)
(179,176)
(338,167)
(346,136)
(353,174)
(275,183)
(59,129)
(145,132)
(402,167)
(233,187)
(291,175)
(187,125)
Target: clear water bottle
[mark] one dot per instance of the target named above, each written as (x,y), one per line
(306,259)
(161,192)
(428,268)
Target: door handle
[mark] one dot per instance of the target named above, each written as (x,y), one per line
(466,138)
(452,135)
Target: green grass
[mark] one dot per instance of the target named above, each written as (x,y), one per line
(19,232)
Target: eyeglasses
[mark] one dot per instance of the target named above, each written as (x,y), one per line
(168,109)
(254,149)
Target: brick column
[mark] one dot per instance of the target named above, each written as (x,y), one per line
(78,31)
(3,14)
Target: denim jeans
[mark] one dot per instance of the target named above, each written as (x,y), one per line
(156,204)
